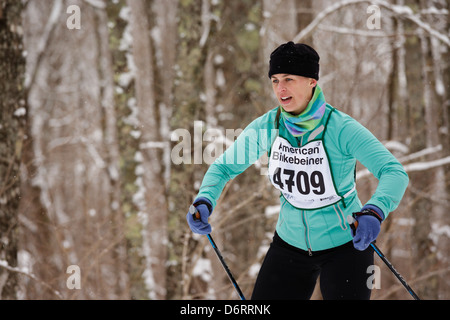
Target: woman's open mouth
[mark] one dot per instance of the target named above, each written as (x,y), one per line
(285,100)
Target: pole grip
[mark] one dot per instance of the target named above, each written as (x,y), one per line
(352,222)
(195,214)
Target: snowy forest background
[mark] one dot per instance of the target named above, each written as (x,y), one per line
(94,186)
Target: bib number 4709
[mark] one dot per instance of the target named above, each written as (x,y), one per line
(300,180)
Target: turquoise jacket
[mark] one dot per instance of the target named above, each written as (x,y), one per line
(345,141)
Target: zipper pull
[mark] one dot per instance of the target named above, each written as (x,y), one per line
(310,252)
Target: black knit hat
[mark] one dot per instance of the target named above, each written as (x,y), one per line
(297,59)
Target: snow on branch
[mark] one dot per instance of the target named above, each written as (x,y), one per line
(416,166)
(399,10)
(98,4)
(348,31)
(421,153)
(4,264)
(422,166)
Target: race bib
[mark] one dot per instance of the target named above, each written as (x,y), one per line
(303,175)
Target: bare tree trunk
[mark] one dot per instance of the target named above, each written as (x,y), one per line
(111,151)
(434,98)
(305,14)
(72,168)
(153,204)
(187,89)
(402,80)
(424,185)
(12,116)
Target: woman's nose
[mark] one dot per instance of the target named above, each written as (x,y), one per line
(281,88)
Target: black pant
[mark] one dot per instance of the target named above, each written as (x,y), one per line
(290,273)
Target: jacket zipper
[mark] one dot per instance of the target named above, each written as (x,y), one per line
(281,210)
(305,224)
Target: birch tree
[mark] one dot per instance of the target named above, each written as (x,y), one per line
(71,176)
(152,202)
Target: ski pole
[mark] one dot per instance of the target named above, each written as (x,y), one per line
(354,224)
(196,215)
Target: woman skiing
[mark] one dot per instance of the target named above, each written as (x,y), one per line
(313,149)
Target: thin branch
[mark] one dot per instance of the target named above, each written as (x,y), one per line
(4,264)
(358,32)
(400,11)
(422,166)
(97,4)
(415,166)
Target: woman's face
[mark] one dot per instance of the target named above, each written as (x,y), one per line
(293,92)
